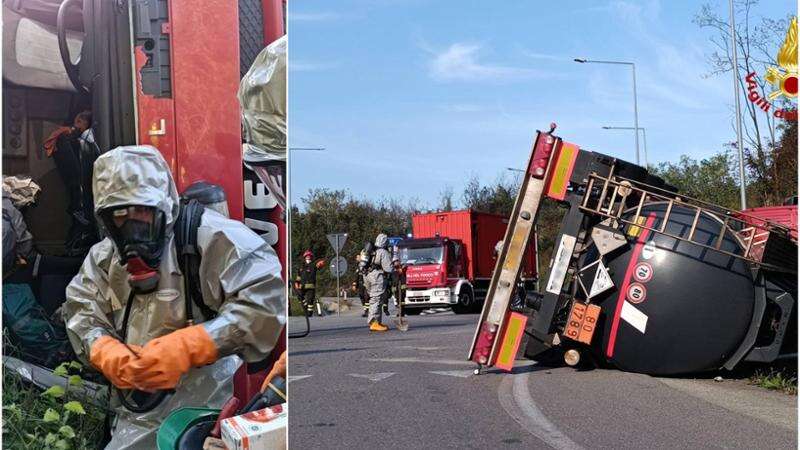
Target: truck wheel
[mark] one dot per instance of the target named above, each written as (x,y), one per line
(465,302)
(412,311)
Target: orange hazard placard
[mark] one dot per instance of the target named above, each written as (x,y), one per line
(581,323)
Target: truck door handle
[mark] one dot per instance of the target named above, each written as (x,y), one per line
(158,132)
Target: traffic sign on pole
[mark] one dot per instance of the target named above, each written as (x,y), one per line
(337,241)
(338,266)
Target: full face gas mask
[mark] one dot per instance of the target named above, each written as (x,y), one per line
(138,233)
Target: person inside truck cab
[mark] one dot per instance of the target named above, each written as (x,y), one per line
(74,152)
(47,275)
(127,312)
(33,283)
(376,282)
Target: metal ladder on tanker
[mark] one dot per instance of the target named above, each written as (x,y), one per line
(611,204)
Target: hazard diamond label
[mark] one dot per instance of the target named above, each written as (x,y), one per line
(602,281)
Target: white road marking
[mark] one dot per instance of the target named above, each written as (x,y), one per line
(517,401)
(452,362)
(297,377)
(454,373)
(373,376)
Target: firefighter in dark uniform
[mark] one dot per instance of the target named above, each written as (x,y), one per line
(306,282)
(398,282)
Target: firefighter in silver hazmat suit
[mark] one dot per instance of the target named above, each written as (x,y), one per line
(376,281)
(136,203)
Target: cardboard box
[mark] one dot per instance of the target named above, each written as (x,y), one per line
(264,429)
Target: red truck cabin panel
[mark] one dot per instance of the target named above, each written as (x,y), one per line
(206,80)
(272,11)
(198,128)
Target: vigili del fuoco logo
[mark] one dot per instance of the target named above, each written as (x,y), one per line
(783,79)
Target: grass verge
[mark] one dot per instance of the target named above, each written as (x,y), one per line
(781,378)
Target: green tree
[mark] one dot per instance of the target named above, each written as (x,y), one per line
(495,198)
(446,199)
(713,179)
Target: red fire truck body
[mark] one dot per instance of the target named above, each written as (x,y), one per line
(450,259)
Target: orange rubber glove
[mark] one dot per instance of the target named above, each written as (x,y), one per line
(110,356)
(164,360)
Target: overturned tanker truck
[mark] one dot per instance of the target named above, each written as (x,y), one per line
(642,278)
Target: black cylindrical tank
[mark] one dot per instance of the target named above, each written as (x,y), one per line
(677,307)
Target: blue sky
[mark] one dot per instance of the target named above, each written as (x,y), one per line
(411,96)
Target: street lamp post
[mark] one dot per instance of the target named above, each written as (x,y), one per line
(635,101)
(644,138)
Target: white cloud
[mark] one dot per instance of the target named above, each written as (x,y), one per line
(545,56)
(314,16)
(462,108)
(460,62)
(309,66)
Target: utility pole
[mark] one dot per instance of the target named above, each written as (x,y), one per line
(742,182)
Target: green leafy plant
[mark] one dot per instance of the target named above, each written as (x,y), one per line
(53,419)
(776,379)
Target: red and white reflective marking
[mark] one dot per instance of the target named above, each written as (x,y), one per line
(636,293)
(638,250)
(643,272)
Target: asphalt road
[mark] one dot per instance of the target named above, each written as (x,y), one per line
(352,389)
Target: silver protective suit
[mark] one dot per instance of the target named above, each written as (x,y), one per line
(375,280)
(262,94)
(240,276)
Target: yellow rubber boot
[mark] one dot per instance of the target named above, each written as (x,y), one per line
(377,326)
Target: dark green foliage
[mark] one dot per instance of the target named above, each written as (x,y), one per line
(325,211)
